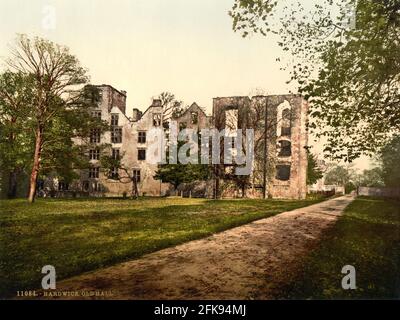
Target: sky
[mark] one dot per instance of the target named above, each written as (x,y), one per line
(146,47)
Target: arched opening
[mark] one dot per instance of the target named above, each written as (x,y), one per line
(286,122)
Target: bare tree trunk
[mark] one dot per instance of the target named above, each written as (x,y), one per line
(135,191)
(12,181)
(265,192)
(217,191)
(12,184)
(36,165)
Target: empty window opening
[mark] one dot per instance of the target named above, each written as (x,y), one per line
(283,172)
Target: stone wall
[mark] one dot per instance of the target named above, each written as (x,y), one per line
(247,113)
(379,192)
(129,149)
(194,118)
(114,103)
(277,129)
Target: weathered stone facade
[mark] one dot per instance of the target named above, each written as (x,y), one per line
(279,123)
(133,147)
(286,138)
(194,118)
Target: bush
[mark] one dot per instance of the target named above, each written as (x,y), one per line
(320,195)
(349,187)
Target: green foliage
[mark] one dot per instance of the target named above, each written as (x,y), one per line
(390,159)
(349,187)
(110,163)
(179,173)
(372,178)
(182,173)
(172,107)
(314,172)
(16,138)
(40,105)
(87,234)
(366,237)
(53,72)
(61,155)
(338,175)
(252,16)
(350,73)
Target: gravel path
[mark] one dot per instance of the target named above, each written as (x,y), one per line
(248,262)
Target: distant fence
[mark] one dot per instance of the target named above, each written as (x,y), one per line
(379,192)
(327,189)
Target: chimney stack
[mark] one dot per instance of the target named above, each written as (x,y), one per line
(156,103)
(136,115)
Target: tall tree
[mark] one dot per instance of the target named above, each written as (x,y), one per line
(176,174)
(116,170)
(56,74)
(314,172)
(182,173)
(338,175)
(67,137)
(15,139)
(390,159)
(259,114)
(171,106)
(371,178)
(344,59)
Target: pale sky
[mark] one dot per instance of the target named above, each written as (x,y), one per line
(146,47)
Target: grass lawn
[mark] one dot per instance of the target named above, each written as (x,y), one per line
(367,237)
(79,235)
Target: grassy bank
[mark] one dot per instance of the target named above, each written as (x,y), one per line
(367,237)
(81,235)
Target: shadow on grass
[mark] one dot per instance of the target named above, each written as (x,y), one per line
(77,240)
(367,237)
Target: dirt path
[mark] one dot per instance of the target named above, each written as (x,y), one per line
(248,262)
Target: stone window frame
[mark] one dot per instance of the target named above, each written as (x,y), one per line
(157,117)
(94,154)
(114,119)
(96,114)
(116,135)
(94,173)
(136,172)
(140,152)
(194,117)
(284,126)
(142,136)
(280,178)
(286,130)
(287,148)
(116,153)
(95,136)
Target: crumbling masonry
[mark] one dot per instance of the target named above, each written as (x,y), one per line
(279,169)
